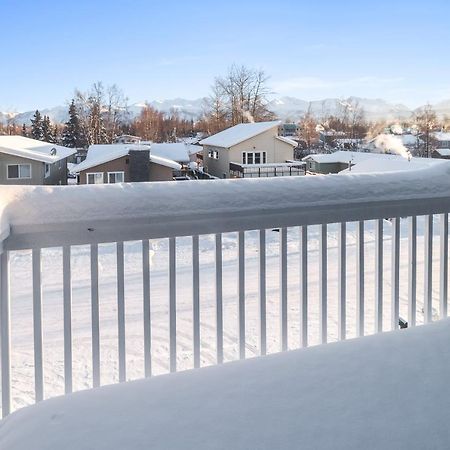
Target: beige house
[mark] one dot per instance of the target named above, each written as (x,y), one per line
(123,163)
(247,144)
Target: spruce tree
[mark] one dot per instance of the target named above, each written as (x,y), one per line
(73,136)
(47,132)
(37,126)
(24,130)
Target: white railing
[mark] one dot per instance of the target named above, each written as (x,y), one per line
(298,211)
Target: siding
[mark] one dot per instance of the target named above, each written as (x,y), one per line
(116,165)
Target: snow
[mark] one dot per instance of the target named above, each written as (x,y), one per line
(372,162)
(386,391)
(442,136)
(165,162)
(287,140)
(443,151)
(103,153)
(176,151)
(32,149)
(239,133)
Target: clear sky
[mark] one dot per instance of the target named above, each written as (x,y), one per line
(397,50)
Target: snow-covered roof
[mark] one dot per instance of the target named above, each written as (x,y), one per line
(177,151)
(287,140)
(103,153)
(164,162)
(442,136)
(383,391)
(35,150)
(443,151)
(239,133)
(371,162)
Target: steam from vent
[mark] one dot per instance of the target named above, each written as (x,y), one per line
(387,143)
(248,116)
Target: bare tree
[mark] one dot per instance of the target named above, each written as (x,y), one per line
(426,122)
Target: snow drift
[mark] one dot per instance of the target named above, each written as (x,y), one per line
(387,391)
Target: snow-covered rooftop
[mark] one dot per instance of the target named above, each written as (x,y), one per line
(443,151)
(442,136)
(239,133)
(177,151)
(100,154)
(32,149)
(164,162)
(103,153)
(371,162)
(287,140)
(387,391)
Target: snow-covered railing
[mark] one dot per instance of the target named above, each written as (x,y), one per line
(34,219)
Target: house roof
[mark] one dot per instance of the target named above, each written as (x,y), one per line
(287,141)
(177,151)
(442,136)
(371,162)
(443,151)
(35,150)
(239,133)
(101,154)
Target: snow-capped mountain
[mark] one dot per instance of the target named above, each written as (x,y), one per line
(286,108)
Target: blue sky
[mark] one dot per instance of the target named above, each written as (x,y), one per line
(167,49)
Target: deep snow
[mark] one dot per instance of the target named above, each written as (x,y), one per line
(388,391)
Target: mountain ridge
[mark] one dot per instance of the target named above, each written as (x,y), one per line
(286,108)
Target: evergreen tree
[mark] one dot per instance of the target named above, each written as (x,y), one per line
(73,135)
(24,130)
(37,126)
(47,130)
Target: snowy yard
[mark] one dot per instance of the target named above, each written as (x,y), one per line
(21,303)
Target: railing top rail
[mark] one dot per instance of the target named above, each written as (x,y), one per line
(52,216)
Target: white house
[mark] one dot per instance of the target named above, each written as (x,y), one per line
(247,144)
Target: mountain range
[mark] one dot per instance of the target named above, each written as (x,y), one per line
(286,108)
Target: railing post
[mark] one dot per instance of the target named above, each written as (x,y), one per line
(95,317)
(303,250)
(342,279)
(146,308)
(443,291)
(283,290)
(219,299)
(37,326)
(67,282)
(172,305)
(5,332)
(121,312)
(395,270)
(412,272)
(360,280)
(428,269)
(196,299)
(379,259)
(262,293)
(323,285)
(241,293)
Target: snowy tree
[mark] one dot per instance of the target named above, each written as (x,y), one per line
(37,131)
(24,130)
(47,130)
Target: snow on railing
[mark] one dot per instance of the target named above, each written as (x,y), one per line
(326,238)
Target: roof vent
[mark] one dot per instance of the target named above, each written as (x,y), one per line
(53,151)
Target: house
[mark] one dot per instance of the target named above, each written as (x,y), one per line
(442,139)
(30,162)
(361,162)
(442,153)
(247,144)
(123,163)
(127,139)
(176,151)
(288,130)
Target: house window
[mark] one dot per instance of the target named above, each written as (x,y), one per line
(214,154)
(94,178)
(254,158)
(19,171)
(116,177)
(47,170)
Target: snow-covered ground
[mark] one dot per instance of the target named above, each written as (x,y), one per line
(388,391)
(21,303)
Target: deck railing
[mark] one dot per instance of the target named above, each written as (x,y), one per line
(343,215)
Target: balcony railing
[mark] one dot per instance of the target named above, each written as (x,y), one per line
(253,266)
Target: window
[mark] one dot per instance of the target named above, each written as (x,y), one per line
(214,154)
(116,177)
(94,178)
(18,171)
(254,158)
(47,170)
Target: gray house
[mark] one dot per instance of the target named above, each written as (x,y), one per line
(30,162)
